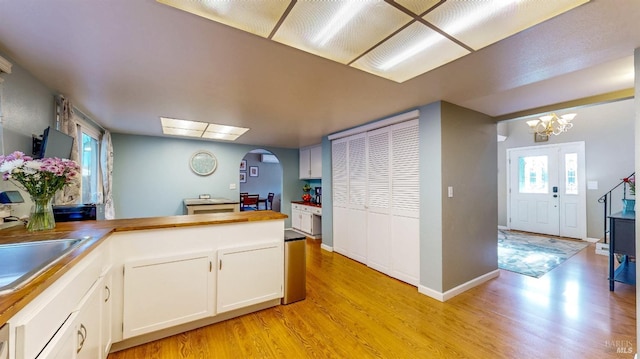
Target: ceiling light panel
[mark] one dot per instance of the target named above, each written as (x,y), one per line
(339,30)
(181,132)
(183,124)
(413,51)
(481,23)
(255,16)
(418,6)
(224,129)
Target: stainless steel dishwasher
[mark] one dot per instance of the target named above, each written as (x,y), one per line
(4,342)
(295,267)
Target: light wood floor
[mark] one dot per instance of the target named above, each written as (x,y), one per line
(352,311)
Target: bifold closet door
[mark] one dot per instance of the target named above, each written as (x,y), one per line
(379,200)
(357,214)
(405,202)
(340,186)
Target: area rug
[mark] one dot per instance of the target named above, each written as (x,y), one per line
(533,255)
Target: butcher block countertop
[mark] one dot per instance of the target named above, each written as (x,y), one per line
(12,302)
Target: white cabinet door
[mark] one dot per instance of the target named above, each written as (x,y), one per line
(296,218)
(88,325)
(63,345)
(249,275)
(306,219)
(164,292)
(315,162)
(106,301)
(311,162)
(305,164)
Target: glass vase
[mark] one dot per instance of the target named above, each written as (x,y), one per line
(41,216)
(628,206)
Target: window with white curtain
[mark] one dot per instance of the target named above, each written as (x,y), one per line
(89,158)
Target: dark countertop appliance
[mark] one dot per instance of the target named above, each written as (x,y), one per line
(78,212)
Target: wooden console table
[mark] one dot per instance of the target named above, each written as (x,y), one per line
(622,240)
(211,205)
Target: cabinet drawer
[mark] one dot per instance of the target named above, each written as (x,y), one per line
(296,207)
(44,316)
(316,210)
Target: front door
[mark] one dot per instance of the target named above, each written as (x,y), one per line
(547,190)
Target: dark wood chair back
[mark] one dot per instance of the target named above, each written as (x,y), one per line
(269,204)
(250,202)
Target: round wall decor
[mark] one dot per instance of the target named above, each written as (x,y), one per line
(203,163)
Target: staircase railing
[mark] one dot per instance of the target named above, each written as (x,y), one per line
(606,199)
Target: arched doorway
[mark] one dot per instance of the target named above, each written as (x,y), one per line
(261,174)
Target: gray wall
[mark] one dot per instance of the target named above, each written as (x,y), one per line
(607,131)
(28,107)
(151,175)
(469,164)
(458,236)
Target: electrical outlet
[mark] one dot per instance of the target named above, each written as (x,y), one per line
(232,186)
(450,190)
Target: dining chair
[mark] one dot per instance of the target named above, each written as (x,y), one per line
(250,202)
(269,204)
(243,195)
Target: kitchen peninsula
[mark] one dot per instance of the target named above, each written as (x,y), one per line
(128,281)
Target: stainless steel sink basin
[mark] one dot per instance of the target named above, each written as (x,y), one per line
(22,261)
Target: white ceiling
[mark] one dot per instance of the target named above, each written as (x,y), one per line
(126,63)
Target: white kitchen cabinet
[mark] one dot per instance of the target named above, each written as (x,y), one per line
(311,162)
(307,219)
(41,320)
(106,301)
(88,324)
(63,345)
(296,217)
(79,337)
(249,274)
(164,292)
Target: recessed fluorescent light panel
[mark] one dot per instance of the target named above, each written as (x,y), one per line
(339,30)
(176,127)
(258,17)
(397,40)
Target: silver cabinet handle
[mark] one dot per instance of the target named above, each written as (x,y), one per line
(82,333)
(108,293)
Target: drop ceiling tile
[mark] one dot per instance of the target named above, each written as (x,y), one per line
(255,16)
(481,23)
(423,49)
(328,29)
(418,6)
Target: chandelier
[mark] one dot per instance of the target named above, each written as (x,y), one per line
(552,124)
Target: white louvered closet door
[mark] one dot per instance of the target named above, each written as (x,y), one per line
(357,215)
(340,187)
(379,200)
(405,202)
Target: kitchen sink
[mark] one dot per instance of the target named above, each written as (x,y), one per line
(20,262)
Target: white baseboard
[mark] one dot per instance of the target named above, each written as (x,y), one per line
(326,247)
(602,249)
(592,240)
(443,297)
(505,228)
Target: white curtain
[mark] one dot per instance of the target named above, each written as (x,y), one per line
(106,167)
(68,124)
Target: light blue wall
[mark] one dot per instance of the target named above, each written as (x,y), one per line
(151,175)
(28,107)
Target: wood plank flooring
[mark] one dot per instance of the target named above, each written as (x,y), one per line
(352,311)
